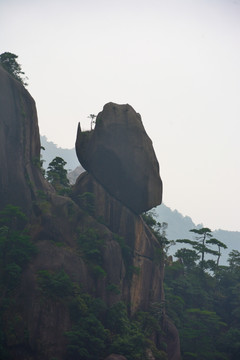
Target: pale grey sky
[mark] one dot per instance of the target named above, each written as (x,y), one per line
(177,62)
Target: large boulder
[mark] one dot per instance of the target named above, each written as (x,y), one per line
(120,155)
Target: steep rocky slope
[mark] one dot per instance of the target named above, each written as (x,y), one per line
(41,313)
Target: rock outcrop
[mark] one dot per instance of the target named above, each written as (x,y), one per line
(20,176)
(34,324)
(147,283)
(120,155)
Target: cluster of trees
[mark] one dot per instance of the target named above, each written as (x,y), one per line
(203,299)
(56,174)
(16,251)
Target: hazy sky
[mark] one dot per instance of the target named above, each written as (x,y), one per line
(177,62)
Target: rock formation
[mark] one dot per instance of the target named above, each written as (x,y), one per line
(115,357)
(20,176)
(147,284)
(120,155)
(35,322)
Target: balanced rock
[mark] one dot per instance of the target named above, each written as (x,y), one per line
(120,155)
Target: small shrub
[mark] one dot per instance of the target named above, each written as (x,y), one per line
(87,202)
(113,288)
(55,285)
(98,271)
(16,248)
(91,244)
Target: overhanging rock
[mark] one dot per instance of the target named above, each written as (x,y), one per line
(120,155)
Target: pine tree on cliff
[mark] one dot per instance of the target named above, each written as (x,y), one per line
(10,64)
(57,175)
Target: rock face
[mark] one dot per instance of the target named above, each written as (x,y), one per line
(120,155)
(34,323)
(20,176)
(115,357)
(147,284)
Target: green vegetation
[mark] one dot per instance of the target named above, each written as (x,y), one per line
(202,246)
(113,288)
(43,202)
(57,175)
(10,64)
(55,285)
(127,255)
(87,202)
(99,330)
(16,251)
(159,231)
(202,297)
(203,300)
(91,245)
(38,162)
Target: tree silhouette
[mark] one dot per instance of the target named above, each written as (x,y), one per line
(10,64)
(93,121)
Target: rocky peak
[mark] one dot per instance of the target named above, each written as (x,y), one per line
(120,155)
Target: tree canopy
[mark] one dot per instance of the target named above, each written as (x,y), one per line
(57,175)
(10,64)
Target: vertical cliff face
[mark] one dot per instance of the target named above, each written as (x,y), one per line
(20,176)
(146,285)
(35,323)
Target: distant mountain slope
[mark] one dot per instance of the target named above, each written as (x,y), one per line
(73,175)
(52,150)
(179,226)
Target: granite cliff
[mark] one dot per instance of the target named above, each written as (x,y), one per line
(92,245)
(20,178)
(120,155)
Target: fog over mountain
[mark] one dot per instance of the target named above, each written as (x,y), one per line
(52,150)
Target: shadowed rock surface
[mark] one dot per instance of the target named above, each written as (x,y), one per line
(115,357)
(120,155)
(147,284)
(34,323)
(20,176)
